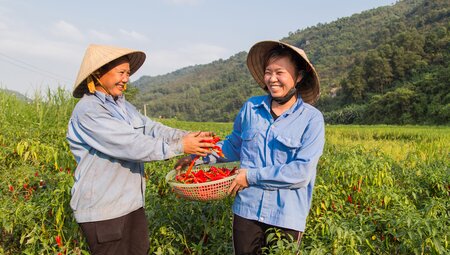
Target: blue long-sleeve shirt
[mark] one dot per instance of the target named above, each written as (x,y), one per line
(110,141)
(281,157)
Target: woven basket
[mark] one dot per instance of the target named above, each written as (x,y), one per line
(207,191)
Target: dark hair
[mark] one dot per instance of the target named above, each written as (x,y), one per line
(108,66)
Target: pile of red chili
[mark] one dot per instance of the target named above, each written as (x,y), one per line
(213,174)
(201,176)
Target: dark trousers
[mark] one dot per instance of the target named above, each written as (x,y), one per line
(125,235)
(249,236)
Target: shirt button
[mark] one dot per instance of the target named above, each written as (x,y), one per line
(262,218)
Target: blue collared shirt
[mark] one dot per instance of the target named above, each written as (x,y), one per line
(110,141)
(281,157)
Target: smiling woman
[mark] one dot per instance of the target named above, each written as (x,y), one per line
(113,77)
(110,141)
(278,139)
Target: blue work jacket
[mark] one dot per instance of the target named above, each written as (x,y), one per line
(281,157)
(110,141)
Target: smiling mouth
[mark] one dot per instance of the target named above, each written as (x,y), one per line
(275,86)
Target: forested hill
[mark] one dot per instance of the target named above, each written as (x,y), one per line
(385,65)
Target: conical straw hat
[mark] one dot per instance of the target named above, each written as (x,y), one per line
(309,91)
(97,56)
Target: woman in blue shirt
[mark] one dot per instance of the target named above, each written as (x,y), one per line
(110,141)
(279,139)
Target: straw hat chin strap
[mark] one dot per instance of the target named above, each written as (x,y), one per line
(286,98)
(91,84)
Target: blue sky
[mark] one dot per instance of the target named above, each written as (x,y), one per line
(42,42)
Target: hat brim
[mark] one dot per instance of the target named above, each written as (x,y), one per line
(310,92)
(97,56)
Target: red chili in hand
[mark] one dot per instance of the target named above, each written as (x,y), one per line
(217,149)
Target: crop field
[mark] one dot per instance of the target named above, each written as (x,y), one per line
(379,190)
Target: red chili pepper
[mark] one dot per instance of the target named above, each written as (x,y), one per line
(58,241)
(188,180)
(213,169)
(200,179)
(214,140)
(213,177)
(223,171)
(202,176)
(191,165)
(217,149)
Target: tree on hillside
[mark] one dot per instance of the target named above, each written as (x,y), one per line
(354,86)
(378,71)
(401,106)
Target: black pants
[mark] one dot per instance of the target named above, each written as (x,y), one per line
(124,235)
(249,236)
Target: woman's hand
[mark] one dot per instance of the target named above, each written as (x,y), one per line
(182,163)
(239,183)
(192,143)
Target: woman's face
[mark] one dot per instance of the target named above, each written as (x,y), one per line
(280,76)
(116,78)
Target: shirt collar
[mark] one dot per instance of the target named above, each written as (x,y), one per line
(268,99)
(265,103)
(100,96)
(103,97)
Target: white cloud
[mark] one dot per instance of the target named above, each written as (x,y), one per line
(133,35)
(67,30)
(165,61)
(97,35)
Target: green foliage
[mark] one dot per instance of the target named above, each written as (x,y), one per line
(347,115)
(359,59)
(379,190)
(377,71)
(354,87)
(280,244)
(36,176)
(131,92)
